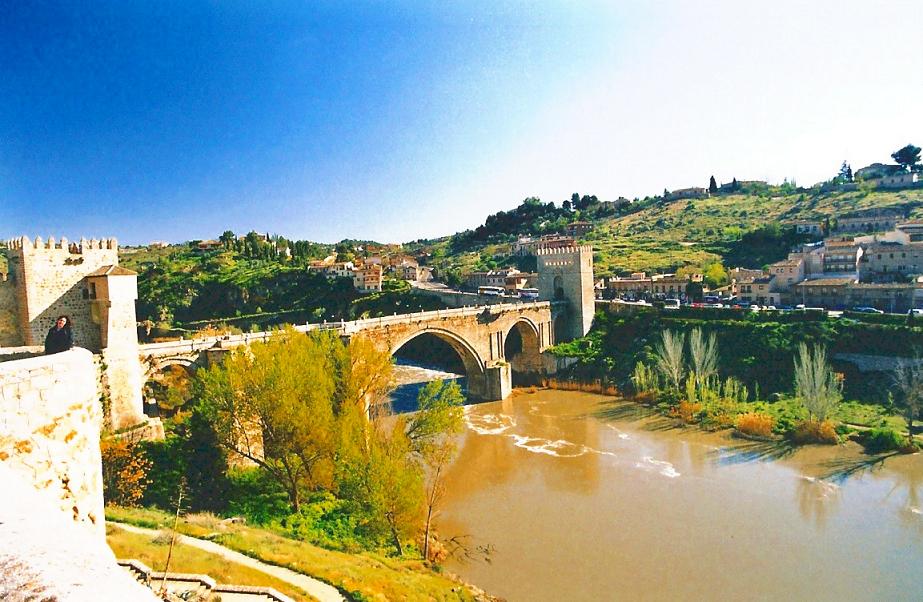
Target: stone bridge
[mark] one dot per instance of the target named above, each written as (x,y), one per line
(479,335)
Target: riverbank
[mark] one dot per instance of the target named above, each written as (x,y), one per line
(637,507)
(872,425)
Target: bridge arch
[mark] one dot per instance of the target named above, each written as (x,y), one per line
(167,384)
(475,367)
(160,364)
(522,349)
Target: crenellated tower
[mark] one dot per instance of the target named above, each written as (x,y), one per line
(45,279)
(566,274)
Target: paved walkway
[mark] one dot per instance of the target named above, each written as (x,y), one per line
(320,590)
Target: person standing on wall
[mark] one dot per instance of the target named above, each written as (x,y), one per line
(60,337)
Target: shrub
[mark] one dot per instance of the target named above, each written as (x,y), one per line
(883,439)
(125,471)
(686,411)
(814,431)
(754,423)
(256,496)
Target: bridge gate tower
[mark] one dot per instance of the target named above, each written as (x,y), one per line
(566,274)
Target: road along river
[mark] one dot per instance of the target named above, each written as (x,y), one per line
(571,496)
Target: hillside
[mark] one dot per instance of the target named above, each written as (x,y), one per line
(181,289)
(653,235)
(249,285)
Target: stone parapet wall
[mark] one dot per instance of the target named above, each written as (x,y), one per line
(44,555)
(50,421)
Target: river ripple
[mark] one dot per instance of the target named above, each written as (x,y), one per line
(582,497)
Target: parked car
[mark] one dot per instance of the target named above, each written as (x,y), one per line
(867,310)
(671,304)
(915,312)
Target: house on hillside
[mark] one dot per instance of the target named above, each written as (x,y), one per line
(875,220)
(841,256)
(804,226)
(875,171)
(688,193)
(913,230)
(578,229)
(526,245)
(758,291)
(903,179)
(209,245)
(367,278)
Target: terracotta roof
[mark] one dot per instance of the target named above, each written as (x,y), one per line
(112,270)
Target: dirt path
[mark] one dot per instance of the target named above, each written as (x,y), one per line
(316,588)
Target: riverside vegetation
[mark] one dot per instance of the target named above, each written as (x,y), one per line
(279,434)
(764,376)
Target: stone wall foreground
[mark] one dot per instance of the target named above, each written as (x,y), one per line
(50,421)
(44,555)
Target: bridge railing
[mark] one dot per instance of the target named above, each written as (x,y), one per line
(346,328)
(358,325)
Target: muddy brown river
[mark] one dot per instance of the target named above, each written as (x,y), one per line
(565,496)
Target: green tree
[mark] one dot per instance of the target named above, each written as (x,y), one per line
(714,274)
(694,291)
(907,157)
(816,385)
(712,185)
(227,239)
(845,174)
(271,403)
(908,382)
(669,357)
(385,466)
(703,351)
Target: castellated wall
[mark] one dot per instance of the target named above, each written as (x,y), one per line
(49,281)
(9,312)
(567,273)
(50,421)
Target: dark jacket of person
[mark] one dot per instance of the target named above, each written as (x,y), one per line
(58,340)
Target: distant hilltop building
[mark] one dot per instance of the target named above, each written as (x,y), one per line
(875,171)
(526,245)
(688,193)
(45,279)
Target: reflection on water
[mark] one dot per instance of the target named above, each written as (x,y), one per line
(581,497)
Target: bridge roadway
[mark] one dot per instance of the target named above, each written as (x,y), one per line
(478,334)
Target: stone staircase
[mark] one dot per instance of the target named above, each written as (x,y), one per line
(191,587)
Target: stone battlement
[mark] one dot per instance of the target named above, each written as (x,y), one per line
(24,244)
(565,250)
(44,279)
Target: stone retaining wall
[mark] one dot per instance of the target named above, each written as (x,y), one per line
(50,420)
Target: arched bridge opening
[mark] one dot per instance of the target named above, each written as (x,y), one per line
(522,349)
(168,386)
(430,355)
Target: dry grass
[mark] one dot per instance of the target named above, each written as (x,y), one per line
(367,576)
(756,424)
(687,411)
(186,559)
(595,386)
(813,431)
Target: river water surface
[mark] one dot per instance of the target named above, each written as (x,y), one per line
(572,496)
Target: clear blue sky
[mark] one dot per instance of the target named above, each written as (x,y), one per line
(398,120)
